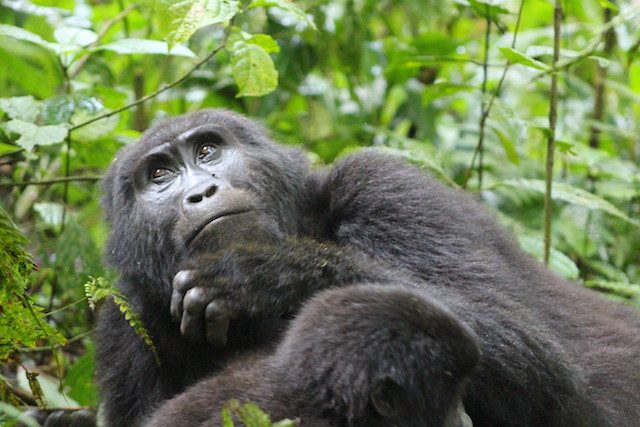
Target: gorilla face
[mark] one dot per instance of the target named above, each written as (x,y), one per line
(200,176)
(199,188)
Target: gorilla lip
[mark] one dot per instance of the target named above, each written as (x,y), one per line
(202,226)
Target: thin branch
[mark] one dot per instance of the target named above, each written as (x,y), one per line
(431,58)
(63,308)
(67,172)
(56,346)
(103,32)
(551,140)
(587,52)
(51,181)
(486,111)
(609,37)
(151,95)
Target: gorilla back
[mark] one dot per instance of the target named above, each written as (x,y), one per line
(222,236)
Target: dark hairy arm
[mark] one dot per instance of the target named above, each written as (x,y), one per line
(264,281)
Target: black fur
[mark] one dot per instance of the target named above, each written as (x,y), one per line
(552,352)
(369,337)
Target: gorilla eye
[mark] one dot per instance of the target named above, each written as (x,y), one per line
(159,173)
(206,150)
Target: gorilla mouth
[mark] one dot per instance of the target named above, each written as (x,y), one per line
(217,216)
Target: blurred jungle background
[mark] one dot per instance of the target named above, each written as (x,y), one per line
(484,94)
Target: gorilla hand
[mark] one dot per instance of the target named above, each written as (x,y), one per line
(261,280)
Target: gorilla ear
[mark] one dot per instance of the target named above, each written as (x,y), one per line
(386,398)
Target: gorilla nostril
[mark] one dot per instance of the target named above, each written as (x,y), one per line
(195,199)
(211,191)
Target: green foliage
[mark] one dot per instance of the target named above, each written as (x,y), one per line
(250,415)
(22,324)
(181,19)
(98,289)
(331,76)
(253,68)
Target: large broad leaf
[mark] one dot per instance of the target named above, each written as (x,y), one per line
(571,195)
(252,67)
(21,107)
(32,135)
(6,149)
(21,34)
(73,36)
(144,46)
(558,262)
(180,19)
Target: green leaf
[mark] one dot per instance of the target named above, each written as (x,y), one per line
(623,289)
(96,289)
(74,37)
(21,107)
(252,67)
(558,262)
(95,130)
(79,380)
(265,41)
(608,4)
(21,34)
(573,195)
(227,420)
(21,323)
(32,135)
(287,6)
(133,46)
(252,416)
(6,149)
(507,144)
(516,57)
(180,19)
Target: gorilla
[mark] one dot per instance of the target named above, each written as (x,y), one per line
(359,295)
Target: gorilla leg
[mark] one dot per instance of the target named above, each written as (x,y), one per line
(366,355)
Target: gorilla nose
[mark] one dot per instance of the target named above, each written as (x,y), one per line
(200,195)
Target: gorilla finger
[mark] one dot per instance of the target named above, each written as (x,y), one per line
(192,326)
(183,280)
(195,300)
(217,324)
(217,332)
(176,305)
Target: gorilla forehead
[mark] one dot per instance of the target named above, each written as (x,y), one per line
(249,133)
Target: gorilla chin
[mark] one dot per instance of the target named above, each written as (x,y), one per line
(228,229)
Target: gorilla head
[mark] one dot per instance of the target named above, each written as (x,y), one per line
(171,193)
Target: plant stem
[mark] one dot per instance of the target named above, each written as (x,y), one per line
(485,111)
(551,139)
(609,37)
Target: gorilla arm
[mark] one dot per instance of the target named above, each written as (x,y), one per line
(266,280)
